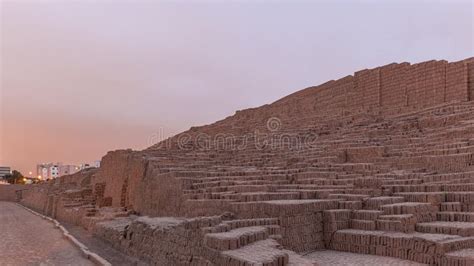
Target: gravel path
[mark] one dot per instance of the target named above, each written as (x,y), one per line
(26,239)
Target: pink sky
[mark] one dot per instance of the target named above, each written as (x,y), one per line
(81,78)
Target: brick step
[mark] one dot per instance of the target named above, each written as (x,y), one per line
(455,216)
(426,197)
(252,222)
(264,252)
(349,197)
(73,204)
(423,212)
(408,208)
(462,257)
(363,224)
(414,181)
(325,182)
(268,196)
(370,215)
(420,247)
(450,207)
(440,152)
(376,202)
(272,224)
(246,197)
(277,208)
(396,222)
(350,204)
(465,188)
(237,182)
(236,238)
(248,188)
(450,228)
(312,193)
(231,189)
(316,187)
(230,196)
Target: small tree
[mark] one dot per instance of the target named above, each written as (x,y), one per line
(15,178)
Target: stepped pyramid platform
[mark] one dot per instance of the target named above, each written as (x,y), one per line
(379,163)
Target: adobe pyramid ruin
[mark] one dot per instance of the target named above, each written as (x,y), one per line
(380,162)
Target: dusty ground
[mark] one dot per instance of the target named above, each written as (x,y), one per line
(26,239)
(336,258)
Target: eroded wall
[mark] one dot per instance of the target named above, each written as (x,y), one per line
(119,175)
(398,87)
(11,192)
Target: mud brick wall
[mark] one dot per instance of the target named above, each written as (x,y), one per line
(470,71)
(161,195)
(465,201)
(11,192)
(449,163)
(364,154)
(162,241)
(334,220)
(204,207)
(122,172)
(69,205)
(130,181)
(386,90)
(99,190)
(301,102)
(301,222)
(367,86)
(394,85)
(36,198)
(47,198)
(332,96)
(442,164)
(456,82)
(41,199)
(426,83)
(65,213)
(453,260)
(371,242)
(303,232)
(325,95)
(403,246)
(339,91)
(371,183)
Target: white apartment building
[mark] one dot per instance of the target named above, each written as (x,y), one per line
(4,170)
(54,170)
(47,171)
(94,164)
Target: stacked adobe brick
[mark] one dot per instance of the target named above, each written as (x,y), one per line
(67,198)
(198,241)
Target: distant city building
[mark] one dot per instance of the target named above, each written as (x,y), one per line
(54,170)
(94,164)
(4,171)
